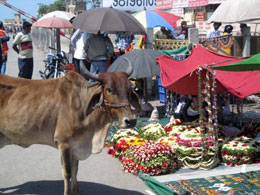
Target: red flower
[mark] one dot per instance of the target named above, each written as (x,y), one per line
(165,164)
(140,167)
(113,153)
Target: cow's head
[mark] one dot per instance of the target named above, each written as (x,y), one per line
(117,95)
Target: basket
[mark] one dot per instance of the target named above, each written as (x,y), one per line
(69,67)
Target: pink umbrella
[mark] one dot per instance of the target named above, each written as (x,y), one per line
(53,22)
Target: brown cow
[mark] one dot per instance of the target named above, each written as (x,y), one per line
(68,113)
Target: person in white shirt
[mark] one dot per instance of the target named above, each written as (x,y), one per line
(78,41)
(214,32)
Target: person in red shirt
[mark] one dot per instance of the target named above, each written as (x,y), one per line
(3,33)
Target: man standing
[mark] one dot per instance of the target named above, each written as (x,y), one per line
(78,41)
(3,33)
(163,33)
(98,50)
(25,50)
(214,32)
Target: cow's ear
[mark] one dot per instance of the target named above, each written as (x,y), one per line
(136,101)
(96,99)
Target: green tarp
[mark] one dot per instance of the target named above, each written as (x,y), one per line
(158,187)
(249,64)
(179,51)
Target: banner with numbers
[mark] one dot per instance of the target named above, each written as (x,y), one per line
(134,5)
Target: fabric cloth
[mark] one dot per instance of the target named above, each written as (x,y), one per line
(98,47)
(213,33)
(250,64)
(3,40)
(142,42)
(181,77)
(24,42)
(78,41)
(180,37)
(123,41)
(3,68)
(98,66)
(25,68)
(3,33)
(179,51)
(162,34)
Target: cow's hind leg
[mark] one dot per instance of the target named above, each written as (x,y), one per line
(4,140)
(66,165)
(74,172)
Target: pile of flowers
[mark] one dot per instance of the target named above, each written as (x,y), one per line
(241,150)
(122,140)
(168,141)
(152,131)
(192,152)
(171,124)
(151,158)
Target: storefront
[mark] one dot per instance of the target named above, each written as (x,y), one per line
(194,12)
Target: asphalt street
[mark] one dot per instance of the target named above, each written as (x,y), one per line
(37,169)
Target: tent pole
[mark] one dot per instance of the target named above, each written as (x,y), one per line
(145,90)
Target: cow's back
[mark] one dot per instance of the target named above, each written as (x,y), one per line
(28,110)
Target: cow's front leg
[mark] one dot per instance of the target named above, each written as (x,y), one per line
(74,172)
(66,165)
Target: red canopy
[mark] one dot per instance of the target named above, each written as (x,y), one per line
(181,77)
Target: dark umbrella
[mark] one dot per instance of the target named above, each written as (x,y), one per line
(143,60)
(107,20)
(144,64)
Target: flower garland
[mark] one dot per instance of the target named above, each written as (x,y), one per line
(168,127)
(151,158)
(152,131)
(241,150)
(190,150)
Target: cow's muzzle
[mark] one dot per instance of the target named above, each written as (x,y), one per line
(129,123)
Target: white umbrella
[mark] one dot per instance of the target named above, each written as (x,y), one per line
(59,14)
(237,11)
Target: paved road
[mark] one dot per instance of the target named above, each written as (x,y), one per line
(37,169)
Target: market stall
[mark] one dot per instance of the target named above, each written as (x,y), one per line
(155,149)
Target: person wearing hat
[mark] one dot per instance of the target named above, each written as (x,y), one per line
(23,46)
(214,32)
(228,29)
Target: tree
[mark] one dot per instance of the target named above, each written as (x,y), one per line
(57,5)
(93,3)
(43,9)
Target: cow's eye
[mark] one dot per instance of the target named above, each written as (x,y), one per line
(109,91)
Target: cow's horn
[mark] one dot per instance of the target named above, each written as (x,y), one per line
(85,73)
(129,69)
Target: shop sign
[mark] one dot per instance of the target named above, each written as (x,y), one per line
(180,3)
(200,16)
(134,5)
(198,3)
(216,1)
(164,4)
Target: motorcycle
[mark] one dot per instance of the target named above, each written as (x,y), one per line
(54,65)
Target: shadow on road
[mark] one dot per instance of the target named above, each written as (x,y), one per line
(56,188)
